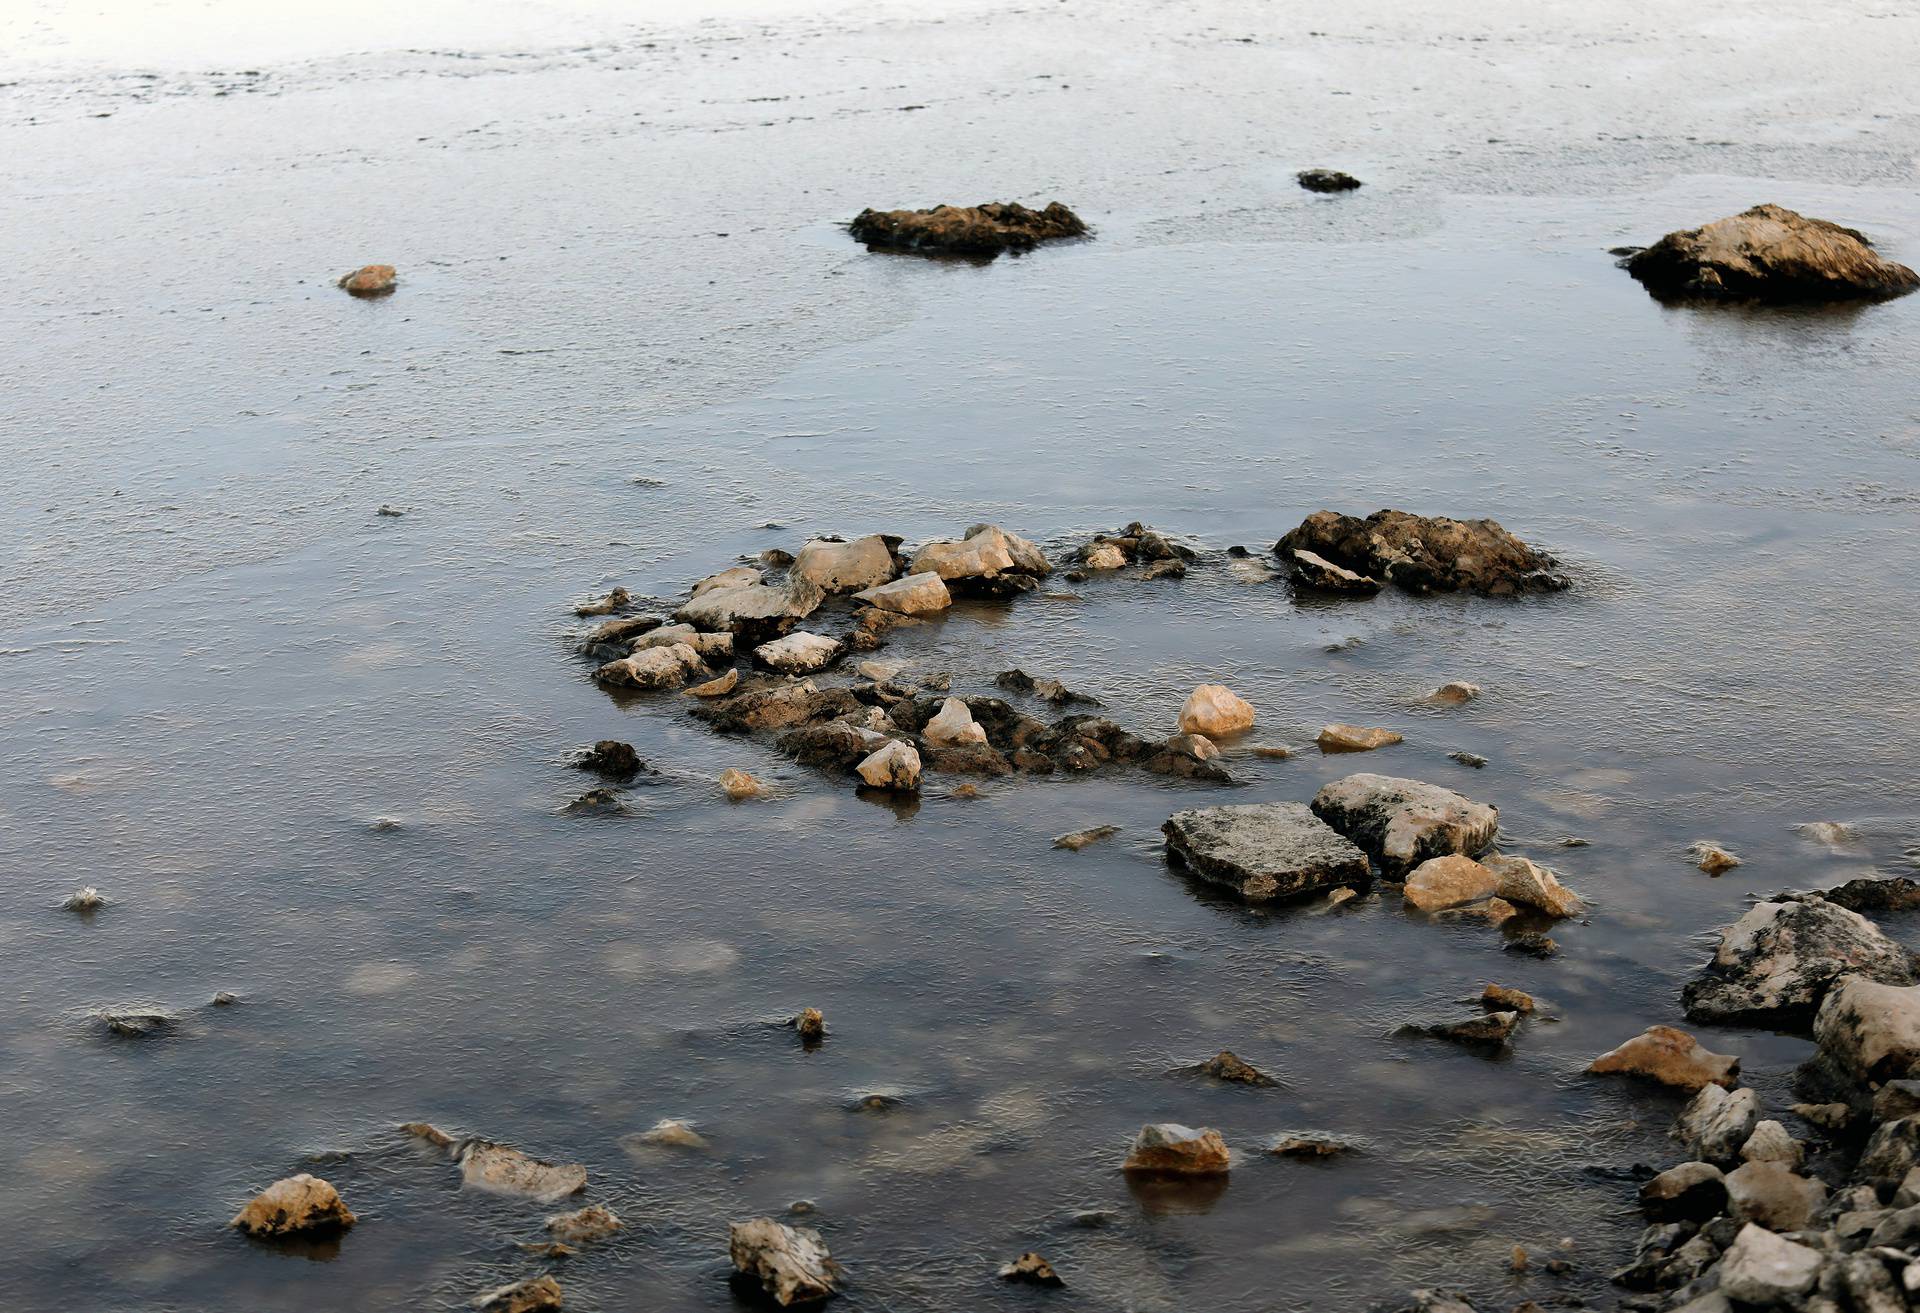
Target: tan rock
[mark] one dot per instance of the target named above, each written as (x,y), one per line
(739,785)
(811,1024)
(1294,1144)
(1501,998)
(1169,1147)
(968,559)
(896,766)
(913,594)
(1770,1143)
(1711,858)
(1102,556)
(616,600)
(652,668)
(1031,1269)
(1079,839)
(295,1205)
(715,688)
(1312,570)
(1454,693)
(1526,884)
(1449,881)
(738,577)
(534,1295)
(791,1264)
(370,280)
(1869,1032)
(1227,1066)
(672,1133)
(1214,710)
(497,1169)
(846,567)
(751,605)
(953,726)
(1772,254)
(1355,738)
(586,1224)
(798,653)
(1669,1056)
(1773,1195)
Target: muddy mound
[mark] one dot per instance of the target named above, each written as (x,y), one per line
(1424,553)
(1768,254)
(967,229)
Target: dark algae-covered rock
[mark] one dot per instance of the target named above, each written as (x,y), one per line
(1769,254)
(1420,553)
(967,229)
(1326,180)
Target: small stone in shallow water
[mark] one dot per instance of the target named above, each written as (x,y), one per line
(1711,858)
(1448,881)
(84,901)
(672,1133)
(1355,738)
(1527,884)
(1465,758)
(136,1022)
(295,1205)
(1031,1269)
(789,1264)
(1669,1056)
(1225,1066)
(739,785)
(369,280)
(1083,838)
(1530,944)
(895,767)
(611,758)
(617,600)
(915,594)
(223,999)
(1302,1144)
(798,653)
(811,1025)
(1215,711)
(1768,254)
(986,229)
(1454,693)
(953,726)
(1487,1030)
(1499,998)
(498,1169)
(540,1294)
(1264,850)
(596,802)
(1326,180)
(1403,822)
(590,1223)
(1272,752)
(1169,1147)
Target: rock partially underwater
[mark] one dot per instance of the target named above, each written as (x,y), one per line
(986,229)
(1769,254)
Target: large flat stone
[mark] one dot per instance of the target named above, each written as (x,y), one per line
(1264,850)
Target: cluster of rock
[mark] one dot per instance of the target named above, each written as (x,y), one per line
(1419,553)
(1768,254)
(1756,1218)
(986,229)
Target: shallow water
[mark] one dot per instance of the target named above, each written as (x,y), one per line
(222,670)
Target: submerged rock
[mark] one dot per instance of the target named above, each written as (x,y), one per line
(1424,554)
(1215,711)
(1031,1269)
(1669,1056)
(1402,822)
(1306,1144)
(673,1133)
(370,280)
(1355,738)
(1484,1029)
(611,758)
(811,1025)
(1774,964)
(1079,839)
(1769,254)
(586,1224)
(83,901)
(790,1264)
(1168,1147)
(1499,998)
(739,785)
(1264,851)
(1711,858)
(846,567)
(1326,180)
(986,229)
(1047,690)
(617,600)
(498,1169)
(1188,757)
(136,1021)
(1454,693)
(914,594)
(540,1294)
(1225,1066)
(295,1205)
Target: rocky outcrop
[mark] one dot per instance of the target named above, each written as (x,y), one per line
(1774,964)
(1137,545)
(369,280)
(986,229)
(1215,711)
(1264,851)
(1425,554)
(1401,823)
(295,1206)
(788,1264)
(1669,1056)
(989,562)
(1047,690)
(1172,1149)
(846,567)
(1769,254)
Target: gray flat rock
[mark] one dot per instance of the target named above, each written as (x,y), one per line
(1264,850)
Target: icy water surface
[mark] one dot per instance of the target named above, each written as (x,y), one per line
(315,756)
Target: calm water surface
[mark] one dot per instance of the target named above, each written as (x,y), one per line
(221,672)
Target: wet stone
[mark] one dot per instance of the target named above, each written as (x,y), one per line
(1308,1144)
(1670,1057)
(1264,851)
(1172,1149)
(540,1294)
(295,1205)
(1424,554)
(1483,1030)
(1691,1192)
(1032,1270)
(1769,254)
(584,1225)
(986,229)
(1079,839)
(498,1169)
(611,758)
(1774,965)
(1326,180)
(1355,738)
(1500,998)
(1402,822)
(369,280)
(790,1265)
(1316,572)
(1225,1066)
